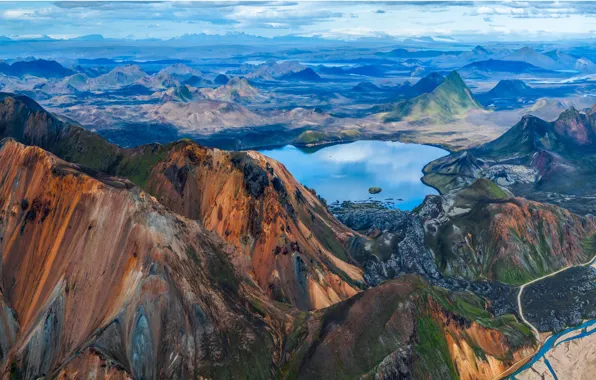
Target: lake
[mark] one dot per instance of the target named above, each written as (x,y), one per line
(345,172)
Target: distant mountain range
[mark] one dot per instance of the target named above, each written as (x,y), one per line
(420,54)
(306,75)
(502,66)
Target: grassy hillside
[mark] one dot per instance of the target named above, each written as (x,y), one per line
(450,99)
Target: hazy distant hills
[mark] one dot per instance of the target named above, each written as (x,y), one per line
(39,68)
(366,87)
(502,66)
(306,75)
(450,99)
(511,90)
(420,54)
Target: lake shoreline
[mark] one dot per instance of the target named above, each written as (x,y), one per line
(348,170)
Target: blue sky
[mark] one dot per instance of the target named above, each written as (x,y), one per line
(338,19)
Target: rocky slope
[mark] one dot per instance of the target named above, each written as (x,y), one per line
(483,232)
(294,245)
(405,329)
(98,276)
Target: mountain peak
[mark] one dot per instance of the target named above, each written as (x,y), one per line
(445,103)
(455,78)
(480,50)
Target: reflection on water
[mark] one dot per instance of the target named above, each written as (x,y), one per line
(346,171)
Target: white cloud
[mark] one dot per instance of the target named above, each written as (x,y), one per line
(17,14)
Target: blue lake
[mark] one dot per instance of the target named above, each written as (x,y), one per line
(345,172)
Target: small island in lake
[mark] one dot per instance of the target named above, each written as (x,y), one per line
(374,190)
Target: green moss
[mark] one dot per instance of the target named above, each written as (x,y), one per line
(486,187)
(137,167)
(432,352)
(15,372)
(310,137)
(222,272)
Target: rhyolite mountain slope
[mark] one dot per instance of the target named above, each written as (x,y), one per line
(544,161)
(449,100)
(484,232)
(98,276)
(101,280)
(292,245)
(465,238)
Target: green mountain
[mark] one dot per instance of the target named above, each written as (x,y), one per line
(449,100)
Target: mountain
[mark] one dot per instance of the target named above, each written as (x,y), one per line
(306,75)
(509,90)
(420,54)
(261,209)
(483,232)
(180,94)
(38,67)
(221,79)
(94,269)
(120,76)
(571,131)
(365,87)
(571,62)
(549,108)
(236,90)
(480,50)
(197,81)
(540,160)
(330,70)
(271,70)
(180,71)
(205,115)
(425,85)
(449,100)
(531,56)
(502,66)
(89,37)
(367,70)
(157,81)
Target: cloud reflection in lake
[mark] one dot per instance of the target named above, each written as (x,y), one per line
(346,171)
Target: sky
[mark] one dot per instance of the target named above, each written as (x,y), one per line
(509,20)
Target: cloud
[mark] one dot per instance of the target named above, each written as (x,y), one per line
(542,9)
(296,16)
(274,18)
